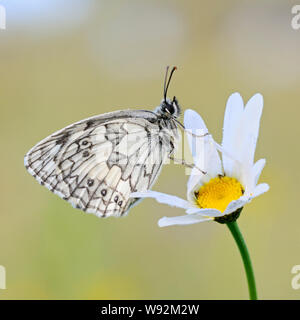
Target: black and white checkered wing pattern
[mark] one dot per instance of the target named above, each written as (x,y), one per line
(97,163)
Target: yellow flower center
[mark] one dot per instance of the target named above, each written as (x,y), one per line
(218,193)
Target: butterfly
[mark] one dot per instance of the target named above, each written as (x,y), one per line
(96,163)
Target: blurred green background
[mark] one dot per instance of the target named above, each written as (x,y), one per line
(62,61)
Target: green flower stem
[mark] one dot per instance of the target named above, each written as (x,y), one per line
(236,233)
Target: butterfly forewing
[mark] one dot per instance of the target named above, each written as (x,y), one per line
(95,164)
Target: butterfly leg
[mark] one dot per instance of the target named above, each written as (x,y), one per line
(188,165)
(197,135)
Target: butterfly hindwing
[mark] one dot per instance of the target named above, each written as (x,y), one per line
(97,163)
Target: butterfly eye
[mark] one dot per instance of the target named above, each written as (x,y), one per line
(170,108)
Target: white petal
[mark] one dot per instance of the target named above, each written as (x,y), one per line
(257,169)
(182,220)
(204,152)
(193,120)
(249,128)
(205,212)
(233,113)
(209,162)
(247,179)
(260,189)
(236,204)
(194,184)
(163,198)
(194,125)
(243,140)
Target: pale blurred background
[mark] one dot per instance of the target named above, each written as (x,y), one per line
(62,61)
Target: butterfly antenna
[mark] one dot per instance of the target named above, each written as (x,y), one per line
(167,82)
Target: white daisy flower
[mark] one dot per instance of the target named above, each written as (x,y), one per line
(226,185)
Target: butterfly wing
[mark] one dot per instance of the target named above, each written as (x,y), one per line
(95,164)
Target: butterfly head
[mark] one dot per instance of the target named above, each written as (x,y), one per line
(168,108)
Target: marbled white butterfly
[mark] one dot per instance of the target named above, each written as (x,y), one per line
(95,164)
